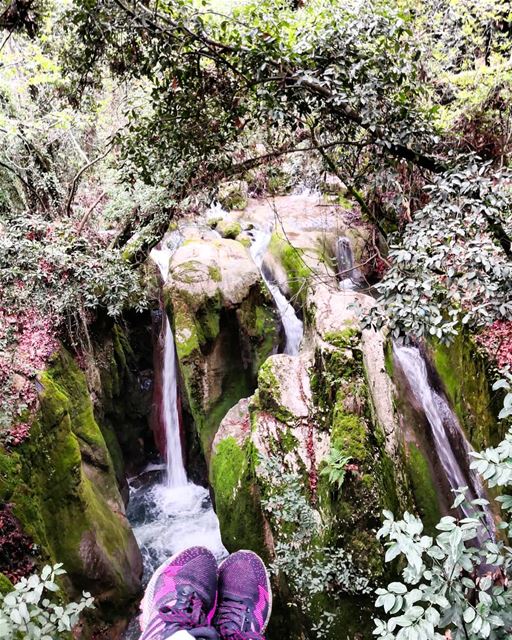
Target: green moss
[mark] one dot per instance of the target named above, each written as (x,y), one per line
(353,616)
(348,432)
(229,229)
(469,392)
(6,586)
(346,338)
(297,271)
(63,379)
(62,485)
(244,240)
(214,273)
(388,359)
(185,330)
(236,497)
(269,389)
(367,552)
(345,202)
(287,441)
(424,490)
(257,321)
(236,385)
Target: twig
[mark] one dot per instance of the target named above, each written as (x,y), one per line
(86,215)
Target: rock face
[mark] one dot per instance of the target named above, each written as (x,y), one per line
(304,408)
(121,382)
(224,326)
(62,485)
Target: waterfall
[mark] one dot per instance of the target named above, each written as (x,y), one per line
(169,516)
(292,325)
(176,474)
(350,275)
(445,429)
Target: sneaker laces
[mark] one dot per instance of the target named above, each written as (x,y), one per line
(185,613)
(230,619)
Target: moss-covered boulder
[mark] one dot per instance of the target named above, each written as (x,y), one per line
(62,487)
(294,262)
(229,229)
(224,325)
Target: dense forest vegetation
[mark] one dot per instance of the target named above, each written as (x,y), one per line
(122,121)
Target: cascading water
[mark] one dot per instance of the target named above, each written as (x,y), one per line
(350,275)
(445,429)
(176,474)
(292,325)
(169,516)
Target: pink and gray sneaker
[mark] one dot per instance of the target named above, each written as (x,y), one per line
(244,598)
(181,595)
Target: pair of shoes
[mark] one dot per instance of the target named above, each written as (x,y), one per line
(190,593)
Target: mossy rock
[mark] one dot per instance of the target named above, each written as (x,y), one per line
(423,488)
(292,260)
(462,371)
(244,239)
(237,499)
(224,327)
(229,229)
(63,488)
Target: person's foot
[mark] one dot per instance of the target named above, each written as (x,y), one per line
(181,595)
(244,597)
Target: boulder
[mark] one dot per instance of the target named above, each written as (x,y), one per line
(305,407)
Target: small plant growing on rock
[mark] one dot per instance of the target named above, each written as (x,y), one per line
(312,570)
(28,613)
(336,467)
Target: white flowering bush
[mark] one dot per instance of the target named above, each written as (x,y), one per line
(29,613)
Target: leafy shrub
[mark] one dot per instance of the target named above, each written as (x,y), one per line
(311,569)
(28,613)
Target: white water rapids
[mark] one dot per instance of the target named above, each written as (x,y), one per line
(292,325)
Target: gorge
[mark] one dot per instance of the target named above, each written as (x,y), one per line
(241,379)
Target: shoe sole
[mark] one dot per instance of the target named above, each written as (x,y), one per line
(150,589)
(269,587)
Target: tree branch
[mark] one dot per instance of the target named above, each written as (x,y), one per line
(26,183)
(87,214)
(74,183)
